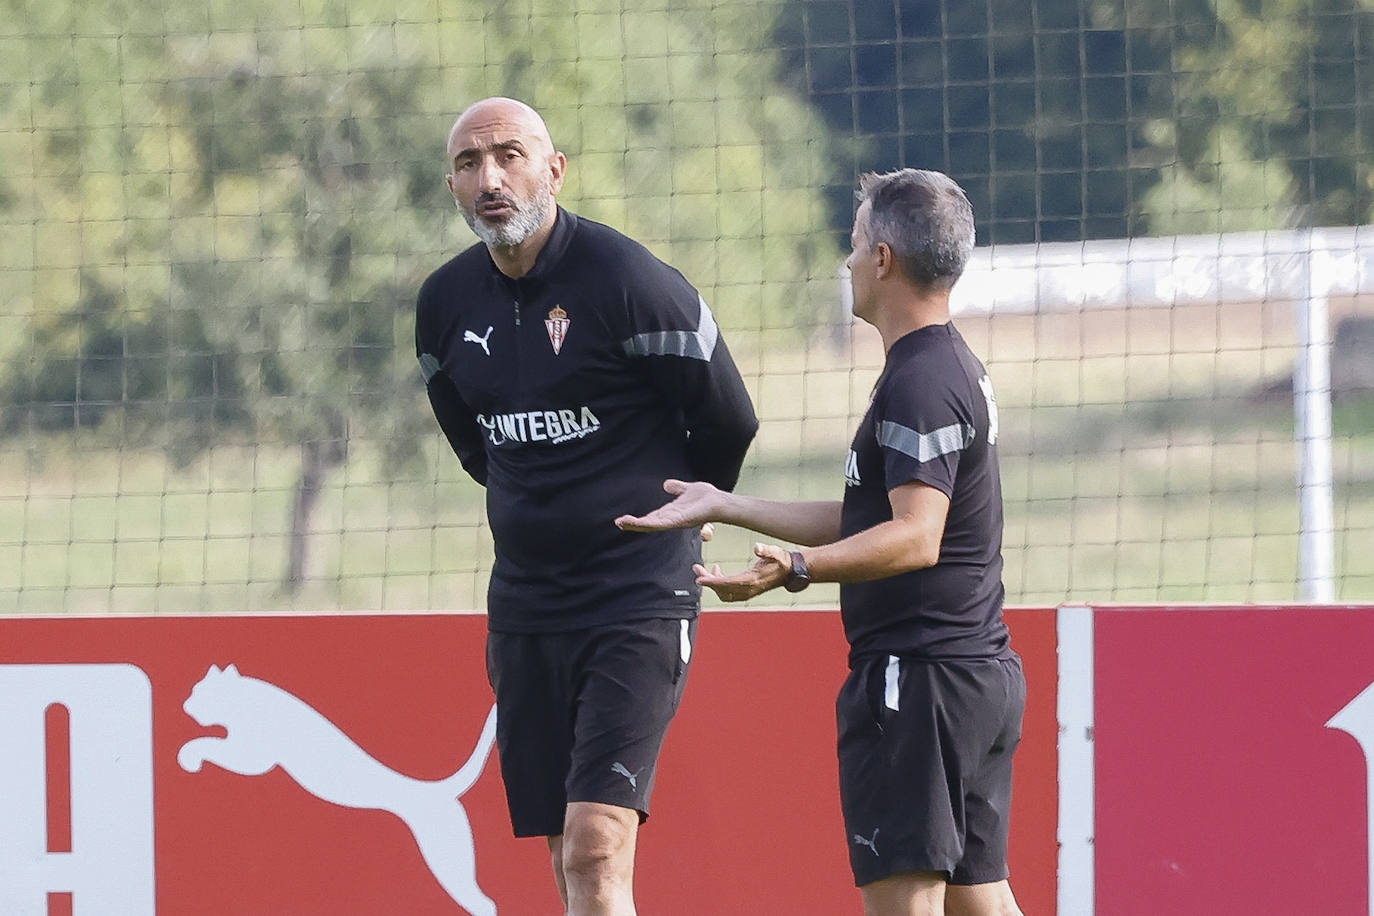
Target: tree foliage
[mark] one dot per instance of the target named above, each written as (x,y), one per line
(1269,120)
(220,214)
(1072,119)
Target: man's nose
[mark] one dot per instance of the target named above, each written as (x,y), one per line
(490,176)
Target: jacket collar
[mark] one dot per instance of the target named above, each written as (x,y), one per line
(564,227)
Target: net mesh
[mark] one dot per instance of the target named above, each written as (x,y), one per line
(214,219)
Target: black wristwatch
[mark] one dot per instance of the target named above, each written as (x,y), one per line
(799,577)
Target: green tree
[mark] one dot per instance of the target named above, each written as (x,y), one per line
(1069,119)
(227,209)
(1264,118)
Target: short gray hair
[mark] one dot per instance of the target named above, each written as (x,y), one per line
(925,218)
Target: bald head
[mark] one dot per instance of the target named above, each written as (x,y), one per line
(499,115)
(504,174)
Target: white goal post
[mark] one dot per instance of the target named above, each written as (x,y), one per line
(1304,266)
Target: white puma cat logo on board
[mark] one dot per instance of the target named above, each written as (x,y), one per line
(268,727)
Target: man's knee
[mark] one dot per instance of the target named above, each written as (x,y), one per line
(993,908)
(907,893)
(599,843)
(987,908)
(995,899)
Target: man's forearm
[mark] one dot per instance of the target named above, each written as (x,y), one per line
(888,549)
(459,427)
(908,541)
(807,523)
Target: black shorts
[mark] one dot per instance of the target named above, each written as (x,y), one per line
(925,765)
(581,715)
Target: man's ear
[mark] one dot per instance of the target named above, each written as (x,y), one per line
(558,167)
(887,262)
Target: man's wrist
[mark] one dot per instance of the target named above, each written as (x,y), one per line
(799,576)
(727,512)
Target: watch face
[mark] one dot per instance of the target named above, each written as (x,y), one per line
(800,576)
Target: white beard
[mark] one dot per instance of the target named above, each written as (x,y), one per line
(523,222)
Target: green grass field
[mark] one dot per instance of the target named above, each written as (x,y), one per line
(1129,475)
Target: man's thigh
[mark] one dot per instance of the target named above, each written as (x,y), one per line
(987,785)
(533,729)
(627,696)
(914,742)
(582,715)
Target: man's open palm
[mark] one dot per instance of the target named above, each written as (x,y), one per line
(694,504)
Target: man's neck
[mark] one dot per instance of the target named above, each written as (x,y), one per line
(517,260)
(911,313)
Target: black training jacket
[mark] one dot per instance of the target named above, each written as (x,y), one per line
(932,419)
(571,393)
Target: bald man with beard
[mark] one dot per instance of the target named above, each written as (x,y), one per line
(572,371)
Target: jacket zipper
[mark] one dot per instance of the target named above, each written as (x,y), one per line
(515,297)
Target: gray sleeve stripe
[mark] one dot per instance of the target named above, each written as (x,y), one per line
(428,366)
(698,344)
(925,446)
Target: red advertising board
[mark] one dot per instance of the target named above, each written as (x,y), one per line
(316,765)
(1033,848)
(1231,769)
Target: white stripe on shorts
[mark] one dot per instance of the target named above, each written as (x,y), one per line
(891,677)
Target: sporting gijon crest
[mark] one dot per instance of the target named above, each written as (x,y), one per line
(557,325)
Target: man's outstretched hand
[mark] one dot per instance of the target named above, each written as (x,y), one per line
(769,571)
(695,504)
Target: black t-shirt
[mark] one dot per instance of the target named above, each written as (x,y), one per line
(571,393)
(933,419)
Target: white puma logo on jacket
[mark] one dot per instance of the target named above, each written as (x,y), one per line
(470,337)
